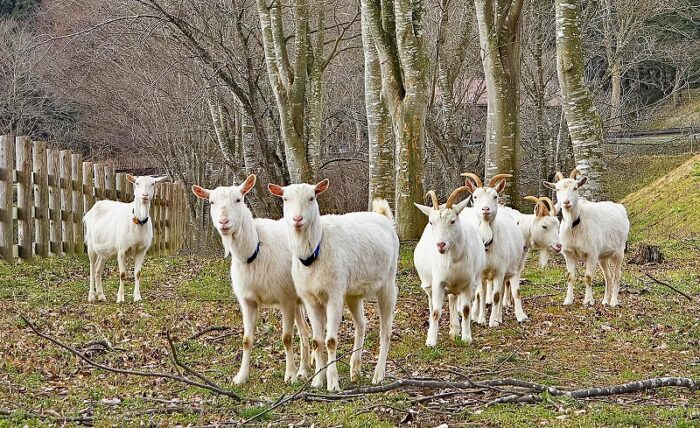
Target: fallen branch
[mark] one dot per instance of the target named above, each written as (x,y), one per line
(213,388)
(208,330)
(666,284)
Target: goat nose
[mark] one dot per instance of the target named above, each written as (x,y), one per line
(567,202)
(223,220)
(441,245)
(298,218)
(485,209)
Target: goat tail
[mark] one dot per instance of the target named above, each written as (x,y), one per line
(381,206)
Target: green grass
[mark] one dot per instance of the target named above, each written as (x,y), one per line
(652,334)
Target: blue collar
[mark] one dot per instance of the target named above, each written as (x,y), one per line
(255,254)
(138,221)
(576,222)
(487,244)
(312,258)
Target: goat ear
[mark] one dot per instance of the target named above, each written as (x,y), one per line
(162,178)
(549,185)
(424,208)
(248,184)
(322,186)
(130,178)
(471,187)
(460,206)
(500,185)
(582,181)
(541,210)
(200,192)
(275,190)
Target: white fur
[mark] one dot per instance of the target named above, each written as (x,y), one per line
(456,271)
(357,260)
(505,257)
(110,231)
(600,238)
(540,232)
(266,281)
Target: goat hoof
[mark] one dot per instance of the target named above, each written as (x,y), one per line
(137,298)
(290,378)
(377,378)
(523,319)
(303,373)
(91,297)
(333,385)
(101,297)
(240,380)
(431,342)
(467,339)
(568,302)
(317,382)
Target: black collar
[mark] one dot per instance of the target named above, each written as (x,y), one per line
(576,222)
(255,254)
(138,221)
(487,244)
(312,258)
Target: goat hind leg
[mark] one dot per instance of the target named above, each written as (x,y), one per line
(387,304)
(357,312)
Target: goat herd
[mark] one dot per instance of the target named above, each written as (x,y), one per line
(308,263)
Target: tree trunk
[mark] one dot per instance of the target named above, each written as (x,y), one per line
(581,116)
(409,131)
(500,52)
(379,132)
(616,97)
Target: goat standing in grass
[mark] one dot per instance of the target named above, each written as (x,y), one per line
(261,265)
(340,259)
(120,229)
(449,259)
(504,245)
(595,232)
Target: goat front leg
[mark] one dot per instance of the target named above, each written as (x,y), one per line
(138,262)
(121,260)
(438,293)
(357,312)
(514,282)
(290,371)
(591,263)
(317,317)
(452,303)
(570,278)
(249,312)
(481,304)
(304,335)
(609,279)
(464,301)
(496,317)
(334,315)
(616,269)
(99,267)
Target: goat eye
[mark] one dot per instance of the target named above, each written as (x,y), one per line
(311,199)
(284,199)
(238,200)
(544,227)
(452,222)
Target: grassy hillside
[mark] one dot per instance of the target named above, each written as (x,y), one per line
(685,114)
(629,174)
(667,209)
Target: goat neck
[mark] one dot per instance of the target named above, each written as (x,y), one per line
(303,242)
(140,208)
(244,240)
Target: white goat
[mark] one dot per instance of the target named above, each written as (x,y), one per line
(595,232)
(540,231)
(505,248)
(449,259)
(261,265)
(120,229)
(336,259)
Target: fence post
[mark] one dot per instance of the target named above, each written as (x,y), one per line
(78,206)
(121,187)
(110,183)
(159,218)
(66,203)
(88,186)
(23,159)
(99,181)
(41,199)
(54,169)
(7,166)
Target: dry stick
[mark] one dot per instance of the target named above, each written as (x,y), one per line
(212,388)
(666,284)
(207,330)
(184,366)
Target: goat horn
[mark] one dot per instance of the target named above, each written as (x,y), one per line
(552,207)
(558,176)
(497,177)
(532,199)
(574,173)
(433,197)
(474,177)
(453,196)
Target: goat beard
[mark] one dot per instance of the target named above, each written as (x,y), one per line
(485,231)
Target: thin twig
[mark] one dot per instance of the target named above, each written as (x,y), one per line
(208,330)
(666,284)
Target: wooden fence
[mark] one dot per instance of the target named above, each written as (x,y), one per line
(44,194)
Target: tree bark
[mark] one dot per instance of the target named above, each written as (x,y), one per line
(499,34)
(616,96)
(581,116)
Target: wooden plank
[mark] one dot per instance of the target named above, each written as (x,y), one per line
(54,169)
(122,185)
(99,181)
(167,229)
(7,166)
(67,203)
(110,183)
(88,186)
(78,205)
(25,197)
(41,199)
(157,226)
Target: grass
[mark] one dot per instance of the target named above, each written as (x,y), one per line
(651,335)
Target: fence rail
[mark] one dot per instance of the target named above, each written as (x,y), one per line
(44,194)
